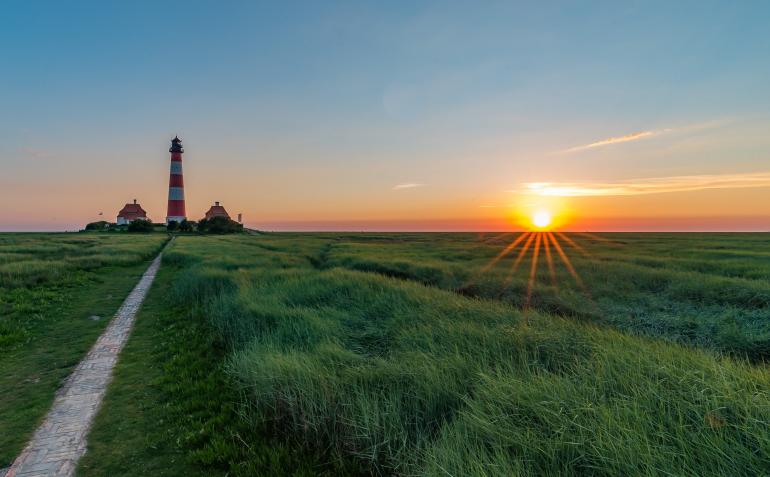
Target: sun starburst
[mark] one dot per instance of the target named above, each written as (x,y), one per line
(556,247)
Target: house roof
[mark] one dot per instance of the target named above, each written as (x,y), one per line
(217,211)
(132,211)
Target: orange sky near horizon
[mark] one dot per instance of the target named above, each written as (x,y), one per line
(672,180)
(273,205)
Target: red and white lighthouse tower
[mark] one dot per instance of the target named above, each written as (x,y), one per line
(176,210)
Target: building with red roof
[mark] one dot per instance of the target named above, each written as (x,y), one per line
(131,212)
(216,210)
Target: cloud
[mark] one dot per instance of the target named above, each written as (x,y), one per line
(687,129)
(36,153)
(409,185)
(617,140)
(656,185)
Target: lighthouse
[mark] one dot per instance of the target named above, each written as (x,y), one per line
(176,210)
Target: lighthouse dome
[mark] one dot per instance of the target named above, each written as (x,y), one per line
(176,145)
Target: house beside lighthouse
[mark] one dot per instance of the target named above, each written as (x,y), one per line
(176,208)
(216,210)
(131,212)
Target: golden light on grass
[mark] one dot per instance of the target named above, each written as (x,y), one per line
(549,260)
(555,247)
(505,252)
(533,269)
(565,259)
(542,244)
(574,244)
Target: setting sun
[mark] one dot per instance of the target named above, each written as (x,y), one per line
(541,219)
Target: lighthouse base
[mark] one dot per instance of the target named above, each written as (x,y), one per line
(176,219)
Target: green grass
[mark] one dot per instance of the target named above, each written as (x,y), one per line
(709,290)
(298,354)
(171,410)
(361,346)
(53,284)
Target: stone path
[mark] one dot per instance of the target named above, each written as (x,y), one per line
(60,441)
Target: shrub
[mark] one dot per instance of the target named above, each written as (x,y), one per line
(172,226)
(140,225)
(186,226)
(219,225)
(100,225)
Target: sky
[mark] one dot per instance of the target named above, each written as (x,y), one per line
(389,115)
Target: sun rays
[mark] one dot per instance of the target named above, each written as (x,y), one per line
(547,250)
(505,252)
(565,259)
(549,260)
(533,268)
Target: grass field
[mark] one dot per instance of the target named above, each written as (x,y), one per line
(429,354)
(426,354)
(171,411)
(57,293)
(709,290)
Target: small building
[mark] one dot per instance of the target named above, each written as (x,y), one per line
(217,210)
(131,212)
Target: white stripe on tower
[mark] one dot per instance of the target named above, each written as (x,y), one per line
(176,168)
(175,193)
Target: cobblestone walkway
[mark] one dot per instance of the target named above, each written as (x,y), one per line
(61,439)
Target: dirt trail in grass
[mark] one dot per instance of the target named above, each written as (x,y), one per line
(61,439)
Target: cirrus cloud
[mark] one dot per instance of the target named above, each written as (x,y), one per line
(408,185)
(617,140)
(656,185)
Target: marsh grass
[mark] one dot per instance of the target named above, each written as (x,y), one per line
(28,260)
(38,269)
(335,350)
(172,411)
(709,290)
(50,287)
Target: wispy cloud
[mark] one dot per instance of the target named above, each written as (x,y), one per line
(617,140)
(682,129)
(409,185)
(36,153)
(656,185)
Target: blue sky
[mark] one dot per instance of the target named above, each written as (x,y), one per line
(316,111)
